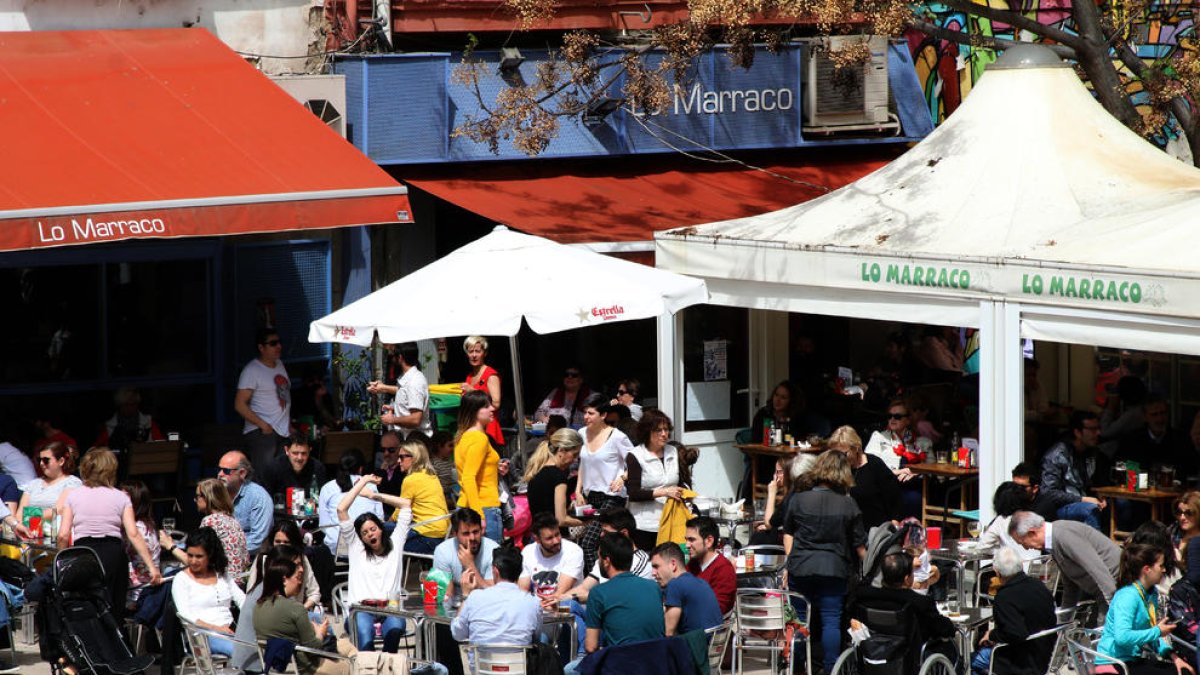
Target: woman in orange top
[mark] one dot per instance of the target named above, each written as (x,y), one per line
(478,462)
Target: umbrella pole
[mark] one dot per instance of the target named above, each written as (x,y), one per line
(518,399)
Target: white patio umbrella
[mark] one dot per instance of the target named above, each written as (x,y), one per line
(488,286)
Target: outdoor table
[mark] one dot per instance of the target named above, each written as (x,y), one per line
(31,547)
(946,471)
(427,617)
(970,620)
(961,557)
(756,450)
(765,566)
(1155,497)
(732,523)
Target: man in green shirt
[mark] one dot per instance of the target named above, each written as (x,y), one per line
(626,608)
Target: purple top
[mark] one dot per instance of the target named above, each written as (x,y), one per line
(96,511)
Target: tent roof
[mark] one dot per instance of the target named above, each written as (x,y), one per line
(1030,168)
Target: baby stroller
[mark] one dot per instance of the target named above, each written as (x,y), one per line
(77,622)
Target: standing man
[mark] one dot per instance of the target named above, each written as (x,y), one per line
(1088,560)
(264,400)
(690,603)
(707,563)
(410,405)
(552,566)
(467,556)
(295,469)
(252,505)
(1066,476)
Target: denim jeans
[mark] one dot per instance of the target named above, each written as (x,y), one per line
(981,661)
(827,595)
(418,543)
(364,631)
(1084,512)
(494,527)
(220,646)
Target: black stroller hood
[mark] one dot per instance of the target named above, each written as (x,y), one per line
(78,569)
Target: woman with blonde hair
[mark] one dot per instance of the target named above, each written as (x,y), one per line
(876,489)
(96,514)
(478,463)
(824,539)
(214,503)
(549,484)
(423,489)
(483,378)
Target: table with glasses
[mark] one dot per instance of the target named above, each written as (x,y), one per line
(766,566)
(31,549)
(963,552)
(1159,499)
(426,618)
(951,472)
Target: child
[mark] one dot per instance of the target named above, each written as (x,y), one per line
(442,457)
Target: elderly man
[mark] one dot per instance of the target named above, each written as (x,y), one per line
(1088,560)
(252,505)
(1023,606)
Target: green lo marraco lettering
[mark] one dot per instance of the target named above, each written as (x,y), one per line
(1086,288)
(917,275)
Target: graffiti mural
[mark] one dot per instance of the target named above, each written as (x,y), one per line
(948,70)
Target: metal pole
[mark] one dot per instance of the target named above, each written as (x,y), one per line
(518,398)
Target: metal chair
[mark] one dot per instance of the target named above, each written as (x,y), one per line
(1043,567)
(1083,653)
(493,659)
(341,608)
(293,667)
(762,612)
(1059,632)
(718,642)
(199,654)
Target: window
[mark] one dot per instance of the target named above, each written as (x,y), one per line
(709,379)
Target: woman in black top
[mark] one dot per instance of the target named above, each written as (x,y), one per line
(876,489)
(547,476)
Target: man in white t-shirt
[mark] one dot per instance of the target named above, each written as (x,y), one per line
(264,400)
(410,407)
(16,464)
(552,566)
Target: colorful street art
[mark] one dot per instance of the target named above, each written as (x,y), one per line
(948,70)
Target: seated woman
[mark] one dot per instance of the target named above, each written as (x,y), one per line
(287,533)
(423,490)
(215,504)
(278,614)
(375,565)
(780,492)
(548,476)
(203,591)
(57,464)
(1135,623)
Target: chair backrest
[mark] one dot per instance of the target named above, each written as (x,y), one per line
(340,607)
(893,631)
(760,609)
(1058,634)
(155,458)
(506,659)
(718,639)
(196,641)
(1043,567)
(1083,654)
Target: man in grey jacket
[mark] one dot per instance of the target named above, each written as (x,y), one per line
(1087,559)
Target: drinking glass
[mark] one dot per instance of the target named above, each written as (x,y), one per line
(952,604)
(168,523)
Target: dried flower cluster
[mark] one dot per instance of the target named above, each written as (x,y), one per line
(530,13)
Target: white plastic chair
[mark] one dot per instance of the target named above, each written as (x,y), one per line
(764,610)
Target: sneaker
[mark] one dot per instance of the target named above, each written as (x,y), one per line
(6,667)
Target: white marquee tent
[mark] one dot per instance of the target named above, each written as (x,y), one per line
(1031,212)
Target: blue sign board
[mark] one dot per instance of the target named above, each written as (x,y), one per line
(404,108)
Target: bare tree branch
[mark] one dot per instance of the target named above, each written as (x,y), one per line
(1017,20)
(984,41)
(1179,106)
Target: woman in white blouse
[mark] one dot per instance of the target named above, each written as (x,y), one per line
(376,560)
(656,474)
(601,480)
(203,592)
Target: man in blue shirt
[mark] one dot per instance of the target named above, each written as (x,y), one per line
(690,603)
(467,556)
(252,505)
(502,613)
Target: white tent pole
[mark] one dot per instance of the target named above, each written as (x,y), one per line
(518,398)
(1000,413)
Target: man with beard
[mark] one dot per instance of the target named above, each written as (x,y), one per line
(1065,474)
(466,556)
(552,567)
(707,563)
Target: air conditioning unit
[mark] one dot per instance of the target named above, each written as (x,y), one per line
(854,98)
(323,95)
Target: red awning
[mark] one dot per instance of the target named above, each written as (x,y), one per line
(627,200)
(128,134)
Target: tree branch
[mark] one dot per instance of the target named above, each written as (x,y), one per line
(1016,20)
(984,41)
(1179,106)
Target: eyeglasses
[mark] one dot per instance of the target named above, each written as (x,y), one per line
(571,373)
(224,471)
(404,455)
(1184,512)
(44,460)
(272,343)
(621,392)
(897,416)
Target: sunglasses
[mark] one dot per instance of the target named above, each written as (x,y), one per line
(44,460)
(1184,512)
(224,471)
(621,392)
(571,373)
(272,343)
(405,455)
(898,416)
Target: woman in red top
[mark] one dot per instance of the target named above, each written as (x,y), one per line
(483,378)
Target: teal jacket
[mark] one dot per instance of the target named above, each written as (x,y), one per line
(1128,629)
